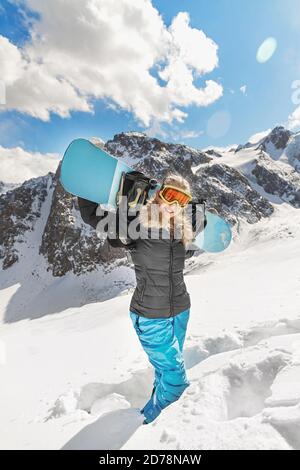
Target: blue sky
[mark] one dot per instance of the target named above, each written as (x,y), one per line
(238,27)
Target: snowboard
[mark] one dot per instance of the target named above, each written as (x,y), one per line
(90,172)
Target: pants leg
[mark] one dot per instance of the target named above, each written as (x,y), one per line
(180,326)
(159,341)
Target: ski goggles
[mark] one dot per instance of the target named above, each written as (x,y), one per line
(171,194)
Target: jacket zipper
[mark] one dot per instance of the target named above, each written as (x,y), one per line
(171,277)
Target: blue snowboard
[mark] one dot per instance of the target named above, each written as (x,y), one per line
(90,172)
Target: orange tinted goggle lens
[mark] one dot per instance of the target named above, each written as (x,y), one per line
(171,195)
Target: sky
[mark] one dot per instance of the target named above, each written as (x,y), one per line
(182,71)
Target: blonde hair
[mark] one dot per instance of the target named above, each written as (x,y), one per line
(181,221)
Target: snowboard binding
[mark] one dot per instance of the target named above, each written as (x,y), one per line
(135,186)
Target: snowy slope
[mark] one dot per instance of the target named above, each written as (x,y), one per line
(76,378)
(276,180)
(292,151)
(283,145)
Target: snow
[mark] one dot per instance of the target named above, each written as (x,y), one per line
(74,374)
(292,151)
(29,291)
(290,154)
(245,161)
(287,158)
(5,187)
(259,136)
(228,148)
(275,153)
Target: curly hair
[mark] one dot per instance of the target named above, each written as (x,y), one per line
(179,222)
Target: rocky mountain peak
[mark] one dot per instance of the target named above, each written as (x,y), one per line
(20,208)
(279,137)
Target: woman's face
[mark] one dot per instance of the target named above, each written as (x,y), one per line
(169,210)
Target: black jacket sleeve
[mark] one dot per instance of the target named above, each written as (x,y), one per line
(88,214)
(199,220)
(198,224)
(88,211)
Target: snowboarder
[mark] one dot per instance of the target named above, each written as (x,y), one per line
(160,305)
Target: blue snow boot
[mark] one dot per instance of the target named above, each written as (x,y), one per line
(151,410)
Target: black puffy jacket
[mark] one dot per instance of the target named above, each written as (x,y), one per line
(159,263)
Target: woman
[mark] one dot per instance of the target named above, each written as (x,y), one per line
(160,305)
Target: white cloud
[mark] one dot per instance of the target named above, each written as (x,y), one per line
(243,89)
(191,134)
(85,49)
(175,133)
(294,120)
(18,165)
(156,129)
(255,138)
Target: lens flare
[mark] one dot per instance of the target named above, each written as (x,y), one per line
(218,124)
(266,50)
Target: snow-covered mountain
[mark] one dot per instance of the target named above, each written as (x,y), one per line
(271,165)
(284,146)
(280,145)
(76,375)
(227,191)
(43,236)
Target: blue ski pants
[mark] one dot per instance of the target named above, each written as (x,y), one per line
(162,339)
